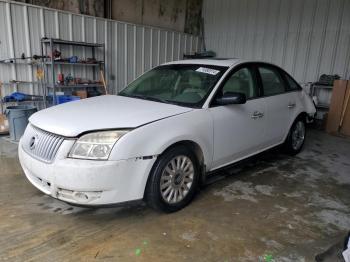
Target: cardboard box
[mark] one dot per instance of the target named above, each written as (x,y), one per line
(335,110)
(81,94)
(4,125)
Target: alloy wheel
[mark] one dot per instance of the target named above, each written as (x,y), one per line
(177,179)
(298,135)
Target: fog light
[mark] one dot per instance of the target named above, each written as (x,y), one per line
(81,197)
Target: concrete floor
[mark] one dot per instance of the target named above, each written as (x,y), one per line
(280,207)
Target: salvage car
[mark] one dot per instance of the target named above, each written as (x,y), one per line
(162,134)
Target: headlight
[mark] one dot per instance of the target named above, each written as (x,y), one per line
(97,145)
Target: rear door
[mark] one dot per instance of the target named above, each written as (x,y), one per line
(280,103)
(239,129)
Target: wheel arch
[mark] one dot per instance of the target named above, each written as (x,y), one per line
(287,145)
(193,146)
(302,115)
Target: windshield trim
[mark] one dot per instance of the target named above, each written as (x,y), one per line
(222,69)
(154,99)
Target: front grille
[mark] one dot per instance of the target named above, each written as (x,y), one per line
(41,144)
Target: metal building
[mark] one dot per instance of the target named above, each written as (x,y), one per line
(131,49)
(306,37)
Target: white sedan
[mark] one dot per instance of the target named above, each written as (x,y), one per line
(160,137)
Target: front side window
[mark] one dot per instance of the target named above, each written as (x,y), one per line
(243,82)
(187,85)
(271,81)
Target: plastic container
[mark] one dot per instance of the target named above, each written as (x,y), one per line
(65,99)
(18,119)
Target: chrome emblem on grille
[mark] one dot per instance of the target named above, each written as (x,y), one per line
(32,143)
(41,144)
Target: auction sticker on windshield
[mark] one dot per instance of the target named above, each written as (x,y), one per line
(208,71)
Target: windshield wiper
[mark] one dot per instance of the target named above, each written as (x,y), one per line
(156,99)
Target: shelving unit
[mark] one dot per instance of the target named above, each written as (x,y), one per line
(37,100)
(35,62)
(323,94)
(75,86)
(48,45)
(78,64)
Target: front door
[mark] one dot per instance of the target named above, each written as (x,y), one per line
(239,130)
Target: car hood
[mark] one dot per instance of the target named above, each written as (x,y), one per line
(102,112)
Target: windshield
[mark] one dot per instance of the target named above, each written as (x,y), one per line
(186,85)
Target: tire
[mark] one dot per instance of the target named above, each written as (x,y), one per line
(296,137)
(167,176)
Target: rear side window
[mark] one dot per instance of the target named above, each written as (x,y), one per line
(292,84)
(271,81)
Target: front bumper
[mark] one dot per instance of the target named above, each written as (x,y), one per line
(87,182)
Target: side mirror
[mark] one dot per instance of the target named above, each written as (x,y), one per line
(231,98)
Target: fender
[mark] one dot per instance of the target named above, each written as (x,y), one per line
(305,106)
(154,138)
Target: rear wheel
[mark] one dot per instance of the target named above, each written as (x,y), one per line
(173,181)
(296,137)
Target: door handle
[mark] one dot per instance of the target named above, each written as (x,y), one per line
(257,114)
(291,105)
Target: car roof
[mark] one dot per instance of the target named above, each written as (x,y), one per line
(211,61)
(228,62)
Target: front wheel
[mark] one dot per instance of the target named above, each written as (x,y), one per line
(173,181)
(296,137)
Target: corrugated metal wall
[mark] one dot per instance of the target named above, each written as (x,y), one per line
(130,49)
(306,37)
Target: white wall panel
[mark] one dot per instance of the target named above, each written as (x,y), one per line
(306,37)
(130,49)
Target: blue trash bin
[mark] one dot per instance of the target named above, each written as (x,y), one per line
(18,119)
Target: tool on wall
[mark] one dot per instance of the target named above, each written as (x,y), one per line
(39,73)
(103,81)
(73,59)
(23,57)
(60,79)
(56,54)
(69,80)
